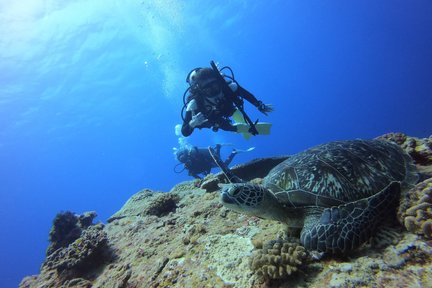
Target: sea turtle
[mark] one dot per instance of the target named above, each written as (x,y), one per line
(337,193)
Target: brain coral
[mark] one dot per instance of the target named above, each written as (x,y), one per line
(278,259)
(415,210)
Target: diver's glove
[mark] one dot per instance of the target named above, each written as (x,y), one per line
(264,108)
(197,120)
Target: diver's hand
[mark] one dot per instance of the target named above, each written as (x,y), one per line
(265,108)
(197,120)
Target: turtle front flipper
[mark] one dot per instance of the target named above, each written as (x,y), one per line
(343,228)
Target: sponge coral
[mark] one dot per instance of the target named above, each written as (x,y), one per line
(415,211)
(278,259)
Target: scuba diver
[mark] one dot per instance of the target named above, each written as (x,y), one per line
(199,161)
(214,98)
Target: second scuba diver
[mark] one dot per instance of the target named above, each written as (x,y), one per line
(199,161)
(214,98)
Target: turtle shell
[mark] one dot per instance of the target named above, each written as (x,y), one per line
(340,172)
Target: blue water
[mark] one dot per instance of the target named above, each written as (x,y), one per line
(90,93)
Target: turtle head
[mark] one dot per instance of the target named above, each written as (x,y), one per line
(245,198)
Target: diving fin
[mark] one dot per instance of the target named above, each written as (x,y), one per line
(238,117)
(263,128)
(244,151)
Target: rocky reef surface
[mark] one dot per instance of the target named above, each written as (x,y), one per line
(186,238)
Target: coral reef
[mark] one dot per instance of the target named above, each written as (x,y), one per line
(415,210)
(82,254)
(73,264)
(186,238)
(227,255)
(419,149)
(406,264)
(162,205)
(202,244)
(77,283)
(67,227)
(147,202)
(278,259)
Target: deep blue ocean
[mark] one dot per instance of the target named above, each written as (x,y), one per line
(90,92)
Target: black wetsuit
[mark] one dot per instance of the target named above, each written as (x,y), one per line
(218,118)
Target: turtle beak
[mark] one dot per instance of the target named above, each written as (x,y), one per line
(226,194)
(224,189)
(226,198)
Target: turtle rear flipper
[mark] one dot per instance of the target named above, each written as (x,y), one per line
(345,227)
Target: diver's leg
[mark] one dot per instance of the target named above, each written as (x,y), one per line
(217,149)
(226,125)
(230,157)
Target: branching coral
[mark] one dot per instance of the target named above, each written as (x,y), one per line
(415,211)
(278,259)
